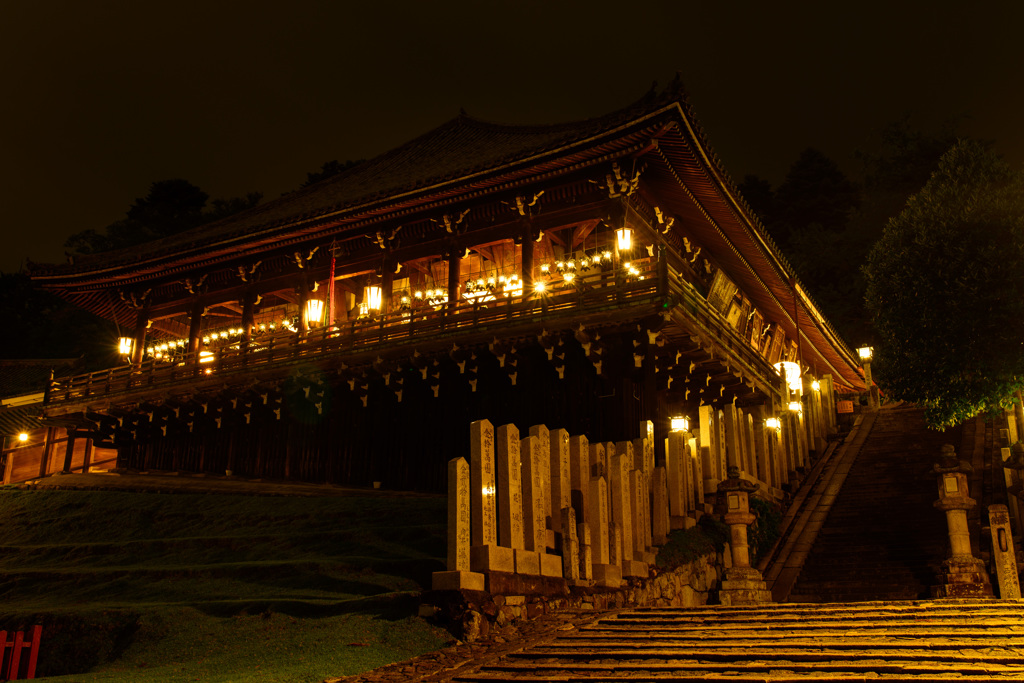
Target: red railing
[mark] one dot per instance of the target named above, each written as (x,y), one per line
(587,293)
(11,665)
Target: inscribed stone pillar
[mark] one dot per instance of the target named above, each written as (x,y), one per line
(615,545)
(534,517)
(1003,555)
(543,437)
(759,436)
(696,475)
(510,490)
(598,461)
(586,551)
(622,514)
(723,456)
(561,476)
(458,576)
(598,515)
(570,544)
(660,507)
(579,468)
(709,454)
(647,434)
(485,553)
(677,465)
(731,432)
(640,517)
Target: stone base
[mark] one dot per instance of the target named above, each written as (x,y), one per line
(550,565)
(608,575)
(527,562)
(676,522)
(454,581)
(580,583)
(491,558)
(963,577)
(549,539)
(634,568)
(744,586)
(645,556)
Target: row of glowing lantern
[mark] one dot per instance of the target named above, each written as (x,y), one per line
(682,424)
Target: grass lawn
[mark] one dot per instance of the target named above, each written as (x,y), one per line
(218,587)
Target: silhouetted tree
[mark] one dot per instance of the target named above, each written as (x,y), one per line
(329,168)
(945,287)
(170,207)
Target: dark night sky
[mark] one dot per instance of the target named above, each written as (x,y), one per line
(100,98)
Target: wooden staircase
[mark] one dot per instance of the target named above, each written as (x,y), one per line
(966,641)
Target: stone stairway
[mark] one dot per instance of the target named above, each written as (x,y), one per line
(882,539)
(966,641)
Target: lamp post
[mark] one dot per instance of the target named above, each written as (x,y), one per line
(866,353)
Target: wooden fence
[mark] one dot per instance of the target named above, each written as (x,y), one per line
(12,665)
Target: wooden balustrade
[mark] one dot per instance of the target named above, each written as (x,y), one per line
(594,292)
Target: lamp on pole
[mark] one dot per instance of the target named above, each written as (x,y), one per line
(866,353)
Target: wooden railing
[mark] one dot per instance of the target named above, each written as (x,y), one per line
(590,293)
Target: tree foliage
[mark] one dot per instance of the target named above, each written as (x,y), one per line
(945,287)
(170,207)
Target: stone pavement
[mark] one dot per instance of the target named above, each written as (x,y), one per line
(966,641)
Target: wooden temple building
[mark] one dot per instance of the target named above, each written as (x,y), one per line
(589,276)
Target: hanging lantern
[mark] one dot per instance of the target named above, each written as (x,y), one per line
(680,424)
(773,423)
(314,311)
(125,345)
(792,374)
(796,406)
(373,297)
(624,239)
(23,437)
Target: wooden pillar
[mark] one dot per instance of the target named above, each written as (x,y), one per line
(87,458)
(44,457)
(139,340)
(454,261)
(195,326)
(527,265)
(248,316)
(387,283)
(69,451)
(303,292)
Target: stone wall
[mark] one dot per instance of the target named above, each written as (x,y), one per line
(471,615)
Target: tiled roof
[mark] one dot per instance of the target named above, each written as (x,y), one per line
(29,376)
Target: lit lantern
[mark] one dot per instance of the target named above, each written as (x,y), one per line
(206,357)
(23,437)
(796,406)
(680,424)
(314,311)
(792,374)
(773,423)
(124,345)
(865,353)
(373,296)
(539,286)
(816,385)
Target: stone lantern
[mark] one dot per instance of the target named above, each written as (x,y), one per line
(964,575)
(743,584)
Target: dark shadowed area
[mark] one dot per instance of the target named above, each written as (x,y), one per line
(102,99)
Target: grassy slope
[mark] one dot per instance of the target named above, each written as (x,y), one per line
(216,587)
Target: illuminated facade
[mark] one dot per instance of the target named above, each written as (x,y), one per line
(587,275)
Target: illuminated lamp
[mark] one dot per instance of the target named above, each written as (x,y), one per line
(23,437)
(816,385)
(624,239)
(568,276)
(124,345)
(680,424)
(206,356)
(773,423)
(796,406)
(865,353)
(792,373)
(539,287)
(314,311)
(373,296)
